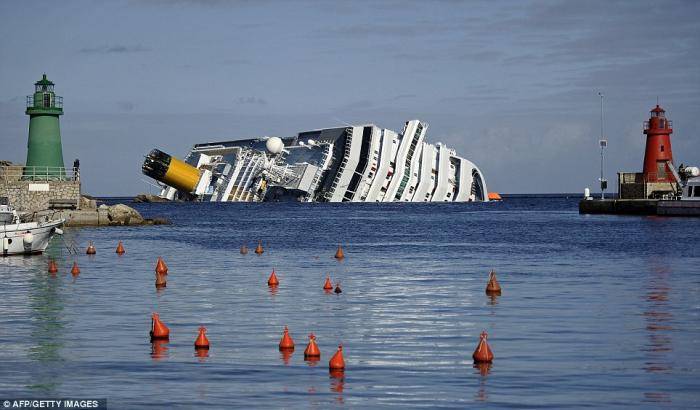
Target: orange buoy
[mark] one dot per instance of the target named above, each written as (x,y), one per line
(339,253)
(53,268)
(286,343)
(495,196)
(91,249)
(158,328)
(259,249)
(244,250)
(75,270)
(272,280)
(161,267)
(161,281)
(337,362)
(328,285)
(493,288)
(337,288)
(202,342)
(483,353)
(120,249)
(312,348)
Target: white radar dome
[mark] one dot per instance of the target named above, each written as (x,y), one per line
(274,145)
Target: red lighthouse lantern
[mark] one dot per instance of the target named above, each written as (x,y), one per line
(658,155)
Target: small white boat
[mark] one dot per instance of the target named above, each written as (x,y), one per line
(25,238)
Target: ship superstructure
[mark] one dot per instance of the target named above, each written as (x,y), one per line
(360,163)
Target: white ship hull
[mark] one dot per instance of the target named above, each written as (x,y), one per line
(360,163)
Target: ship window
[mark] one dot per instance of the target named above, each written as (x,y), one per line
(697,191)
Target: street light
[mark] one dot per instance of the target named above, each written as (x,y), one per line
(603,143)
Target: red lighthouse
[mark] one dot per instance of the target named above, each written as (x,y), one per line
(658,150)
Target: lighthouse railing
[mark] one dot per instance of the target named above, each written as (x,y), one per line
(667,124)
(55,102)
(38,173)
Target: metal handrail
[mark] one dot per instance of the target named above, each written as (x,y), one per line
(669,124)
(38,173)
(57,102)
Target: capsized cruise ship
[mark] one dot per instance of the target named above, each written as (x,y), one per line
(361,163)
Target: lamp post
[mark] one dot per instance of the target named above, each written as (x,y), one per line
(603,143)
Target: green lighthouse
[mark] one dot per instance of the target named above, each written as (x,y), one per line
(44,152)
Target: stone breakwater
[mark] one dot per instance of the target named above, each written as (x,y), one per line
(115,215)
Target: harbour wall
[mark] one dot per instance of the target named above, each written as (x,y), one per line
(31,189)
(639,207)
(31,196)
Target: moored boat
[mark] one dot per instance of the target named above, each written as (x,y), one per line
(19,238)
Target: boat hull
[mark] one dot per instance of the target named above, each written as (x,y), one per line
(14,239)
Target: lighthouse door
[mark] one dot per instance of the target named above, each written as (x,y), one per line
(660,170)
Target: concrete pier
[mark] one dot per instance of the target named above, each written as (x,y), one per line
(639,207)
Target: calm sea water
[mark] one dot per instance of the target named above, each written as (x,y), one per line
(596,311)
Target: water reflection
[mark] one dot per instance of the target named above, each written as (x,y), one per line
(493,299)
(201,354)
(337,384)
(159,349)
(658,326)
(657,397)
(286,355)
(312,361)
(483,369)
(47,305)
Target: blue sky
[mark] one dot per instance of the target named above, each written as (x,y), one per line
(513,86)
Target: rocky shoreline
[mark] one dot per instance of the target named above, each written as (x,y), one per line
(103,215)
(147,198)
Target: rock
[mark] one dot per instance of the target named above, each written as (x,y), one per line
(121,214)
(158,221)
(149,198)
(87,203)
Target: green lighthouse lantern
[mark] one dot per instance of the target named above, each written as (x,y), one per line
(44,151)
